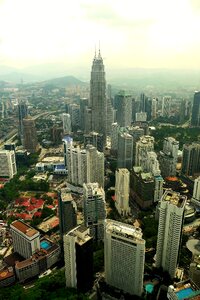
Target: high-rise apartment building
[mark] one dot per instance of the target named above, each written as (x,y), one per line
(30,135)
(98,100)
(166,106)
(144,145)
(196,192)
(67,211)
(67,127)
(76,165)
(168,157)
(26,240)
(22,114)
(124,253)
(7,164)
(85,165)
(123,105)
(125,151)
(95,165)
(122,187)
(78,255)
(171,215)
(191,159)
(67,143)
(94,210)
(195,119)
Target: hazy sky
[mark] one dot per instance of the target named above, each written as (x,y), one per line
(142,33)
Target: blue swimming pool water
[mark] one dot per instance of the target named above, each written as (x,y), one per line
(184,293)
(149,287)
(45,245)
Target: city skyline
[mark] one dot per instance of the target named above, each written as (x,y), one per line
(145,34)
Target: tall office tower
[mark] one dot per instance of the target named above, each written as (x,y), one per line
(22,113)
(196,192)
(171,216)
(191,159)
(30,135)
(136,133)
(166,106)
(74,111)
(7,164)
(67,126)
(95,139)
(125,151)
(144,145)
(115,128)
(124,252)
(122,187)
(123,104)
(95,165)
(83,107)
(110,116)
(67,211)
(76,165)
(26,240)
(94,210)
(168,157)
(154,108)
(195,119)
(98,100)
(78,255)
(146,106)
(67,143)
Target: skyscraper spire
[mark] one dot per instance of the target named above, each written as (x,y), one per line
(99,55)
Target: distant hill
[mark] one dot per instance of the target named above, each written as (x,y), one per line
(63,82)
(16,77)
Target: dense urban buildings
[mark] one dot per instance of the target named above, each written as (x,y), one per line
(7,164)
(124,250)
(94,210)
(122,186)
(171,214)
(78,254)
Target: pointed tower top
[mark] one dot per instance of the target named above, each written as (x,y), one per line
(99,56)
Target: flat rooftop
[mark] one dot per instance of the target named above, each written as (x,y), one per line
(24,228)
(81,233)
(174,198)
(124,230)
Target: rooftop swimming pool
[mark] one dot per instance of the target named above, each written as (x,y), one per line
(182,294)
(149,288)
(45,244)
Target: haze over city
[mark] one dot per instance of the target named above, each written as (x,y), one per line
(133,34)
